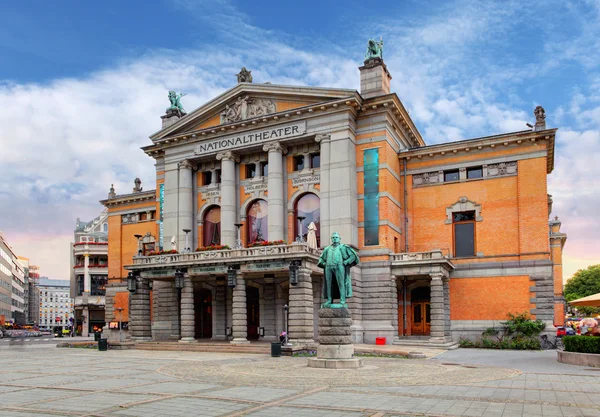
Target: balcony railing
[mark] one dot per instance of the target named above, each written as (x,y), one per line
(230,256)
(417,256)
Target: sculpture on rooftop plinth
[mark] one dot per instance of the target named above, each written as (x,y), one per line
(244,76)
(175,100)
(336,260)
(374,49)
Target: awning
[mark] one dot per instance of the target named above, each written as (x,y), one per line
(590,301)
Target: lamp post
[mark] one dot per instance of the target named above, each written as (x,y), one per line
(187,245)
(138,237)
(287,333)
(179,284)
(300,238)
(238,241)
(120,310)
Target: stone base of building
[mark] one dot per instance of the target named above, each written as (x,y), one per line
(334,363)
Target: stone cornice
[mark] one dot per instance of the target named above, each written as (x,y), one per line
(149,195)
(348,103)
(485,143)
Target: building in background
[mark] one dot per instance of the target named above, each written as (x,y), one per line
(89,273)
(32,277)
(13,279)
(56,305)
(5,281)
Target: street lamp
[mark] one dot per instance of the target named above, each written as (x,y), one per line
(238,241)
(131,280)
(300,238)
(187,245)
(120,310)
(138,237)
(232,276)
(179,284)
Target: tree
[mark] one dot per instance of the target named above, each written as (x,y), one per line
(583,283)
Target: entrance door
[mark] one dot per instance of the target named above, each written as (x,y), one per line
(203,313)
(421,318)
(252,312)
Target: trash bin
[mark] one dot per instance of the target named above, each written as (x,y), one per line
(275,349)
(97,336)
(102,345)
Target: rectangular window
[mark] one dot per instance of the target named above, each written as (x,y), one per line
(298,162)
(451,175)
(474,172)
(206,177)
(143,216)
(371,199)
(218,175)
(315,160)
(264,169)
(464,233)
(250,170)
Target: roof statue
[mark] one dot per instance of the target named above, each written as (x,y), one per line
(111,192)
(244,76)
(540,118)
(137,186)
(175,100)
(374,49)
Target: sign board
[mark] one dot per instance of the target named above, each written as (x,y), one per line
(214,269)
(312,179)
(255,187)
(265,266)
(211,194)
(159,273)
(254,137)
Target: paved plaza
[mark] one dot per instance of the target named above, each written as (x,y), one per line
(48,381)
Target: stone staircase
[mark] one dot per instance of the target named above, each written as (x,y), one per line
(423,341)
(253,348)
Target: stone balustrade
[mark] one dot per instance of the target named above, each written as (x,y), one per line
(256,254)
(417,256)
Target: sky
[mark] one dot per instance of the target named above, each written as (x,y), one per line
(83,85)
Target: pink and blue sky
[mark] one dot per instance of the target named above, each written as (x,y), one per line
(83,85)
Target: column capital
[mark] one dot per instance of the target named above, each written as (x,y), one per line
(228,156)
(322,137)
(186,164)
(275,147)
(437,277)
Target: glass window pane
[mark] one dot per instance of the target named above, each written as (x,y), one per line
(257,221)
(309,207)
(264,169)
(451,175)
(206,177)
(315,160)
(212,227)
(417,313)
(250,170)
(298,163)
(464,239)
(463,216)
(476,172)
(371,199)
(427,313)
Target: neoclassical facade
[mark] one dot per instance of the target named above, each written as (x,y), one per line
(451,237)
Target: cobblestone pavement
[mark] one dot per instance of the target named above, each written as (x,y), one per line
(82,382)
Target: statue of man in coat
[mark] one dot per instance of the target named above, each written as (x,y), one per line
(336,260)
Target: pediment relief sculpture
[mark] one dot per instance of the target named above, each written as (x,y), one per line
(246,108)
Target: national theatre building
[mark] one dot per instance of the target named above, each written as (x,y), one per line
(451,237)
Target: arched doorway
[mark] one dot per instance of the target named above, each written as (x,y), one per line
(203,313)
(257,221)
(252,312)
(421,311)
(212,226)
(308,206)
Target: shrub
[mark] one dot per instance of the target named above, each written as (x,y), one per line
(466,343)
(521,324)
(490,331)
(582,344)
(212,247)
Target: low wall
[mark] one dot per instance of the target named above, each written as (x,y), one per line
(581,359)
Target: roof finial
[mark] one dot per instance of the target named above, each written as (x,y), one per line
(540,118)
(137,186)
(111,192)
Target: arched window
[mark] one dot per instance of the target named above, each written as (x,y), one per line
(212,227)
(257,218)
(308,207)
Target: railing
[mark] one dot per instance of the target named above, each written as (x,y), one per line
(243,254)
(435,254)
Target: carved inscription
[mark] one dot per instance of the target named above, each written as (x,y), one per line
(313,179)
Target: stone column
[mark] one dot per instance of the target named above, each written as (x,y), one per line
(228,198)
(85,326)
(276,219)
(325,141)
(301,309)
(220,311)
(240,320)
(140,326)
(447,323)
(269,312)
(437,309)
(188,321)
(186,204)
(87,280)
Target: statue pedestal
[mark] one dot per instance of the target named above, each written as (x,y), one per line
(335,350)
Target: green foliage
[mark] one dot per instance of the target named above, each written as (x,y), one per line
(466,343)
(583,283)
(522,325)
(490,331)
(582,344)
(517,343)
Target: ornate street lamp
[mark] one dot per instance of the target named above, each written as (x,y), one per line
(179,279)
(131,281)
(232,276)
(293,272)
(187,245)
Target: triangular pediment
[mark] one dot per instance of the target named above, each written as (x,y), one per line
(248,101)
